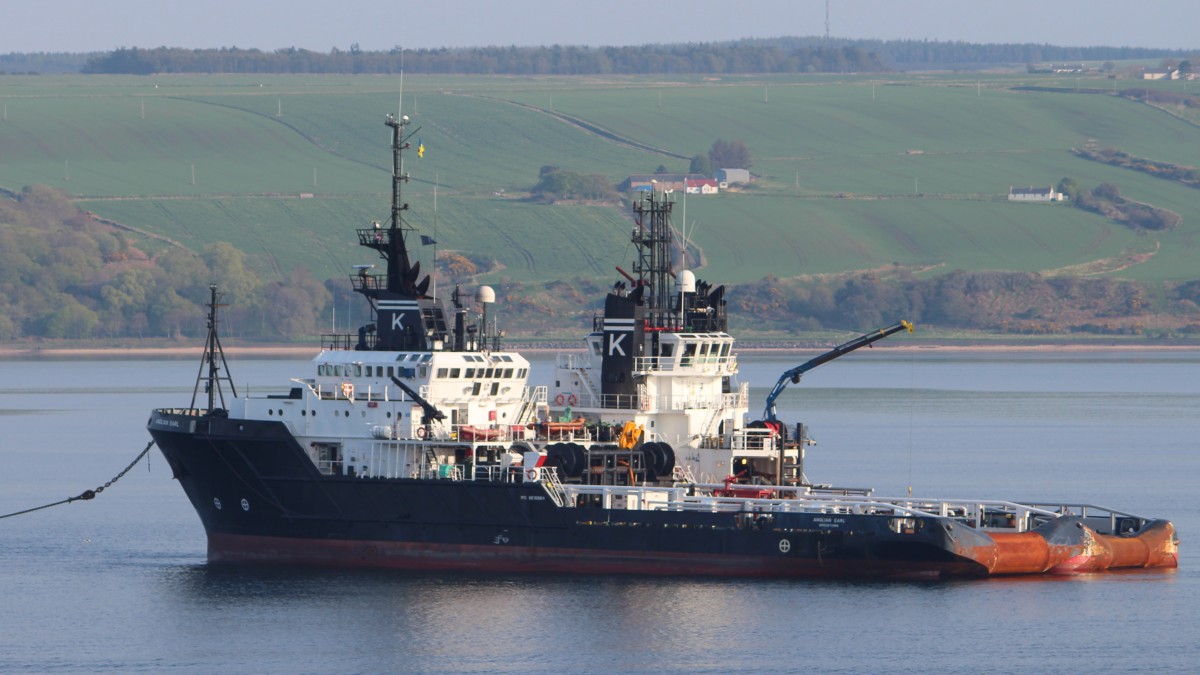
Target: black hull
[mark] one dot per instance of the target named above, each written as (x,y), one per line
(262,501)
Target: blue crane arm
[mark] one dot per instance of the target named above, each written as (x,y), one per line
(793,375)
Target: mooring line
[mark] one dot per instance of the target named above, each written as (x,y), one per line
(86,494)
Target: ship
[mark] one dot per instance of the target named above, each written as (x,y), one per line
(421,443)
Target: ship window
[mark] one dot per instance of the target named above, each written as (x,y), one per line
(495,388)
(441,372)
(523,373)
(667,350)
(596,348)
(506,358)
(357,370)
(475,389)
(337,370)
(508,373)
(425,358)
(455,372)
(390,371)
(470,374)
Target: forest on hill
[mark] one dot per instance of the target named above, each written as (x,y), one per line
(64,274)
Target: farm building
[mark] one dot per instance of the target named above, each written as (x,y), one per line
(658,181)
(727,176)
(1160,74)
(1034,194)
(703,186)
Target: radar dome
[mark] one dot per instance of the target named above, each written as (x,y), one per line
(687,281)
(485,296)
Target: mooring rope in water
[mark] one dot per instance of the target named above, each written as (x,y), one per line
(86,494)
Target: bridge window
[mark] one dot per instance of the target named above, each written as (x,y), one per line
(455,372)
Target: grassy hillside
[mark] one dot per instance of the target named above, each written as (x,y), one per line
(855,173)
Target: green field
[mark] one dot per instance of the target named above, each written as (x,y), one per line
(854,172)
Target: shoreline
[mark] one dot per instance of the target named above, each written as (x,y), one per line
(297,352)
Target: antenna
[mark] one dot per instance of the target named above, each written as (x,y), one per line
(435,242)
(213,353)
(826,20)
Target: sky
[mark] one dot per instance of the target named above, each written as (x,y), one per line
(320,25)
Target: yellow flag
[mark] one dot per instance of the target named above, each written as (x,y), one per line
(420,148)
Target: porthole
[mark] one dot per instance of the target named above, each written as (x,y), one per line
(217,502)
(245,505)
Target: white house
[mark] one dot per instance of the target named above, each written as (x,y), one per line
(1034,194)
(705,186)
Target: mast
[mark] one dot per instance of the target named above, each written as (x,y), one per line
(399,268)
(652,237)
(212,354)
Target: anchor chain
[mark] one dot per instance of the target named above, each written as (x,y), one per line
(87,494)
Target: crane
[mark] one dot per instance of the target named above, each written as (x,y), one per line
(794,374)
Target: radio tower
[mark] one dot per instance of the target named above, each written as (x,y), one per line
(827,20)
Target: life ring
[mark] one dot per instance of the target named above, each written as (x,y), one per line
(531,474)
(421,432)
(571,400)
(348,390)
(558,400)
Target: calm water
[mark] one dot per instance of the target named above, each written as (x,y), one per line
(120,583)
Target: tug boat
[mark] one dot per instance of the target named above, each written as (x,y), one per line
(420,444)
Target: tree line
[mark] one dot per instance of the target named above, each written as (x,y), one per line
(1005,302)
(752,55)
(680,59)
(1105,199)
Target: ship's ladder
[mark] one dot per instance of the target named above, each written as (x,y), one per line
(683,474)
(584,375)
(525,414)
(431,461)
(552,485)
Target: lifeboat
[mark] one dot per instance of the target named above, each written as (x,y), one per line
(469,433)
(561,429)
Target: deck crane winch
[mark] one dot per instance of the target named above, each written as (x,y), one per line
(793,375)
